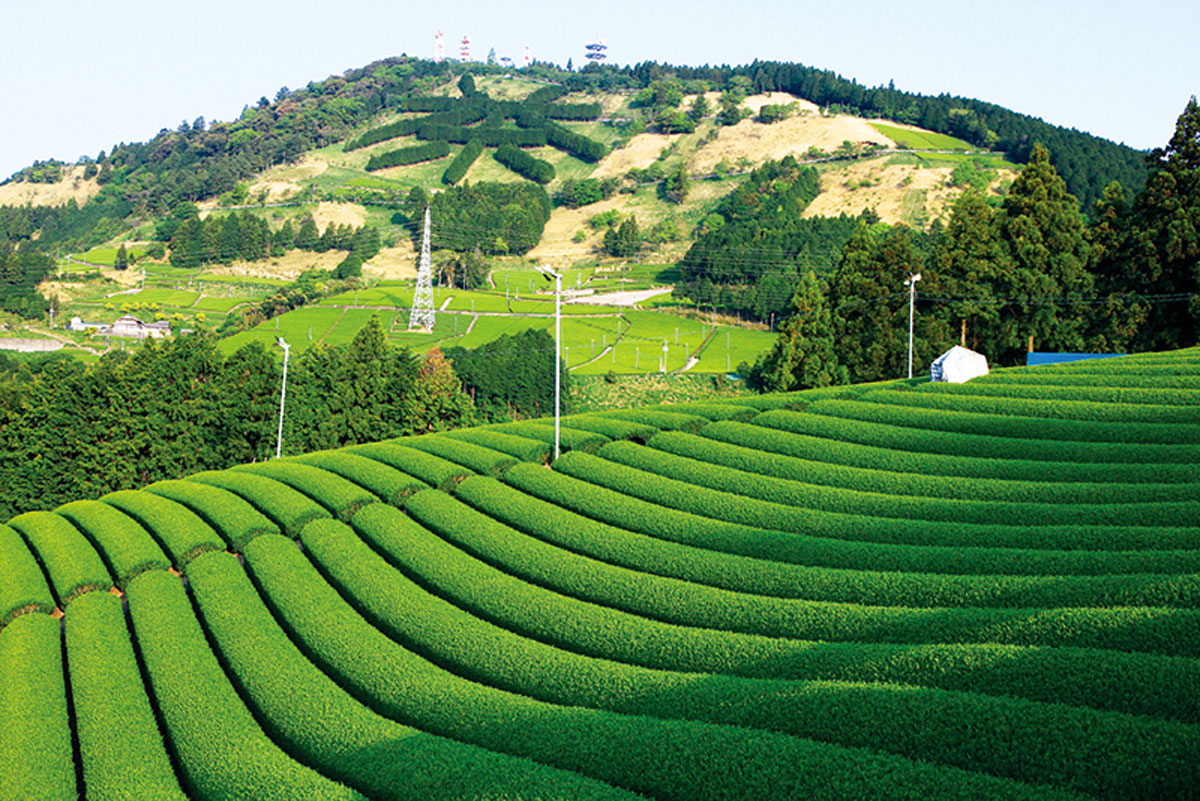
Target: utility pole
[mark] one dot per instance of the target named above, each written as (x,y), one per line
(549,274)
(911,282)
(282,395)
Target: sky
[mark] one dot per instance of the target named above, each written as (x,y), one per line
(78,76)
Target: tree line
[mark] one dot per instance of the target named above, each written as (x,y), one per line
(1031,274)
(493,218)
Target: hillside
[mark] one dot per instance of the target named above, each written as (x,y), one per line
(814,595)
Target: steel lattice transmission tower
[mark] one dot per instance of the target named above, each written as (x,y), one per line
(422,315)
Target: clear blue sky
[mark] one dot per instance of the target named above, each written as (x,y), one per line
(77,76)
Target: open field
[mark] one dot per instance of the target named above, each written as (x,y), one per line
(917,139)
(808,595)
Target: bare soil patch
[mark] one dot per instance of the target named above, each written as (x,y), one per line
(71,187)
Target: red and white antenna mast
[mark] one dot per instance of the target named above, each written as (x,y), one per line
(528,56)
(439,47)
(464,51)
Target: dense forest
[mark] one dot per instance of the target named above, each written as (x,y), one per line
(1033,274)
(493,218)
(511,377)
(69,430)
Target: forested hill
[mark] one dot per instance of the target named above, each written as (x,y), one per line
(198,160)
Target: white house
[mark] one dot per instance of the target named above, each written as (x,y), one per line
(130,326)
(958,365)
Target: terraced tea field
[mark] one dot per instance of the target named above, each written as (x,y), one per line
(891,591)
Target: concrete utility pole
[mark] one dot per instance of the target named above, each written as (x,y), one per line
(549,274)
(282,395)
(911,283)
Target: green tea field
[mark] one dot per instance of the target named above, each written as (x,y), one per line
(897,591)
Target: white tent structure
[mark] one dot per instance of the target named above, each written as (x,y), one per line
(958,365)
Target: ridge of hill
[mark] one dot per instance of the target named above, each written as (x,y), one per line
(812,593)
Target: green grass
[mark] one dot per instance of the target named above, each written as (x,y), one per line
(921,140)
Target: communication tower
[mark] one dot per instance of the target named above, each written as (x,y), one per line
(439,47)
(597,51)
(528,56)
(422,316)
(464,49)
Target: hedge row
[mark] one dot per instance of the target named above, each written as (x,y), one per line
(71,563)
(476,458)
(121,750)
(487,136)
(745,447)
(217,743)
(663,759)
(892,409)
(433,470)
(661,419)
(462,162)
(841,442)
(697,468)
(713,410)
(569,438)
(634,514)
(578,145)
(383,133)
(573,111)
(329,729)
(231,516)
(383,481)
(181,532)
(1106,754)
(831,426)
(731,571)
(1163,631)
(1174,379)
(525,165)
(719,505)
(430,151)
(287,508)
(1026,407)
(545,95)
(23,588)
(522,448)
(610,427)
(340,497)
(1164,397)
(36,761)
(427,103)
(126,547)
(1166,687)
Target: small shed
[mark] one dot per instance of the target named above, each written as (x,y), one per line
(958,365)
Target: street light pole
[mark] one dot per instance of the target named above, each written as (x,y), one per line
(911,281)
(282,395)
(548,274)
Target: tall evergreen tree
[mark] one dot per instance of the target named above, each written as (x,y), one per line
(804,354)
(970,259)
(1046,276)
(1165,253)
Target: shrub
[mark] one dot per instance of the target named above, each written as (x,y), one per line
(525,165)
(573,111)
(578,145)
(71,563)
(23,588)
(665,759)
(178,529)
(382,480)
(287,508)
(475,457)
(120,748)
(232,517)
(431,469)
(522,448)
(1102,394)
(732,571)
(570,438)
(341,498)
(462,162)
(431,151)
(661,418)
(329,729)
(219,746)
(36,762)
(126,547)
